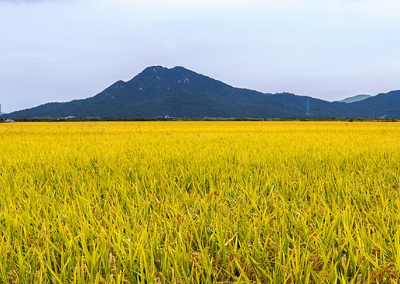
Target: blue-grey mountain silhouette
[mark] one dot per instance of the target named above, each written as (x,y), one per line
(177,92)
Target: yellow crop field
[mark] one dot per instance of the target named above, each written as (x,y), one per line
(200,202)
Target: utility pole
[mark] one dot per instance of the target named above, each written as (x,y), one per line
(308,112)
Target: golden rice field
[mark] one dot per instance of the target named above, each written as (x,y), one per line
(200,202)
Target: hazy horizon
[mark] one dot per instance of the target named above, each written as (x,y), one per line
(59,50)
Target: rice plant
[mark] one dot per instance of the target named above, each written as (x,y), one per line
(200,202)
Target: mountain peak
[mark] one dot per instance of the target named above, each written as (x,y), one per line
(158,76)
(152,70)
(356,98)
(155,68)
(158,68)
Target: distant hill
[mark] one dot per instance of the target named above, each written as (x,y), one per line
(385,104)
(177,92)
(354,99)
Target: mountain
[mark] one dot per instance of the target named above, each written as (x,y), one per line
(382,105)
(355,99)
(177,92)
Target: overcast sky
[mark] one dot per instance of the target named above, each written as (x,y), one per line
(59,50)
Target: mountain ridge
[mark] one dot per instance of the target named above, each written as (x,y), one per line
(356,98)
(158,91)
